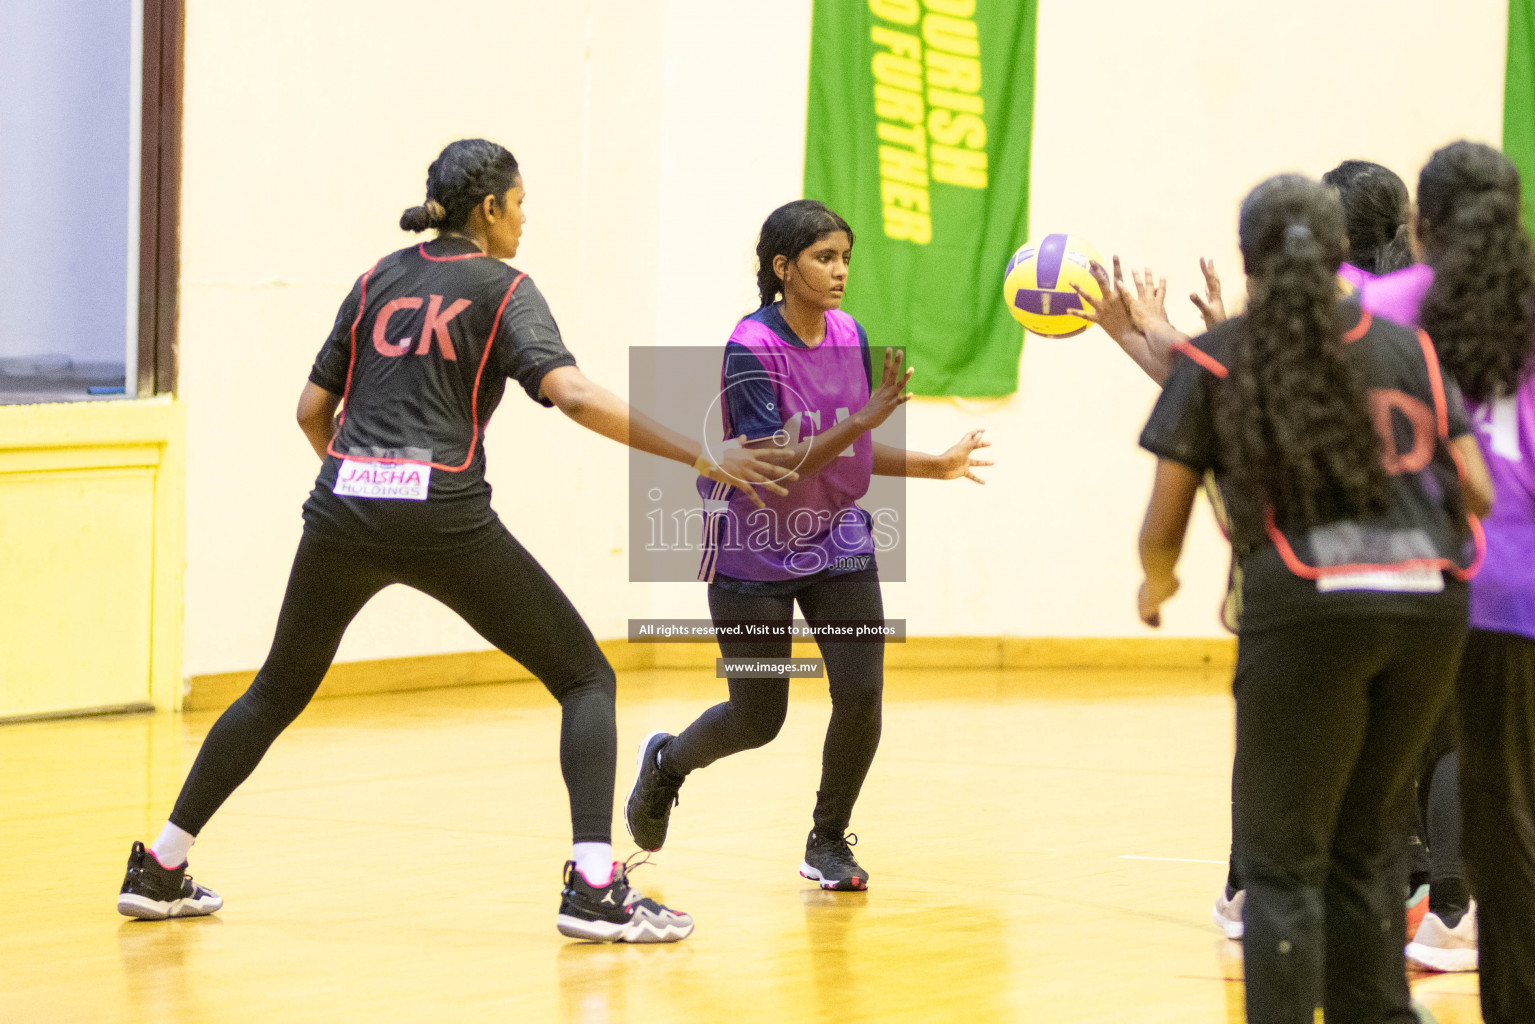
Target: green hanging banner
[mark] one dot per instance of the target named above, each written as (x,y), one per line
(1519,99)
(919,129)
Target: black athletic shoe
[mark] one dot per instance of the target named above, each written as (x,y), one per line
(649,809)
(615,912)
(829,861)
(153,893)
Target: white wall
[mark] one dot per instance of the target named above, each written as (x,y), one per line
(1151,124)
(308,129)
(655,137)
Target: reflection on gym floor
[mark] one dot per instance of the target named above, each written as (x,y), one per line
(1043,846)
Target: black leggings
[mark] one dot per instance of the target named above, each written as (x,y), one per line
(1438,818)
(755,711)
(1332,718)
(496,586)
(1495,702)
(1429,833)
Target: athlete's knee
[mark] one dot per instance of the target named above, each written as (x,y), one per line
(275,700)
(594,678)
(759,724)
(860,692)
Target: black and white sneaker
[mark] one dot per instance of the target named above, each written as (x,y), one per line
(829,862)
(153,893)
(649,808)
(615,912)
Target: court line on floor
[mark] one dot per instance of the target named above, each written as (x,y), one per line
(1175,860)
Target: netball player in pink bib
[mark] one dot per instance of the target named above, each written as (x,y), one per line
(798,376)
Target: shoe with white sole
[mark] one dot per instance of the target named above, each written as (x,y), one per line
(1439,947)
(153,893)
(1228,913)
(615,912)
(829,862)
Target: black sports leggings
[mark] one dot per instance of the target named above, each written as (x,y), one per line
(496,586)
(756,708)
(1332,718)
(1495,702)
(1430,826)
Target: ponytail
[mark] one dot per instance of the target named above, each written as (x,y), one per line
(1397,253)
(1295,407)
(1376,208)
(1480,310)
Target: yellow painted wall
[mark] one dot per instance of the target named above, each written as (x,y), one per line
(655,137)
(90,556)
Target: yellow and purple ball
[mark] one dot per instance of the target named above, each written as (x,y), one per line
(1037,285)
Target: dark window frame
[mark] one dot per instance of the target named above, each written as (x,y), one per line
(160,195)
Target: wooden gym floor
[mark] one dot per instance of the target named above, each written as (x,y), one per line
(1044,846)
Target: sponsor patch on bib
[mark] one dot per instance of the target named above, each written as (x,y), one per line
(1419,580)
(407,480)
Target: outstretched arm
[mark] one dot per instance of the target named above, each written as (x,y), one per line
(1138,322)
(817,451)
(1141,337)
(599,410)
(951,465)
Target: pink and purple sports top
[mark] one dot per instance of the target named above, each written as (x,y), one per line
(1503,593)
(773,385)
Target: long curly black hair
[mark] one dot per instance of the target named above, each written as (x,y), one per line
(1376,209)
(1295,407)
(1480,311)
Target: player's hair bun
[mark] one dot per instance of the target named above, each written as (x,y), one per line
(428,215)
(463,174)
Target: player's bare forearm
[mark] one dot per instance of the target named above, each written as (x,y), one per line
(892,461)
(816,452)
(1167,518)
(602,412)
(1157,357)
(1476,482)
(317,416)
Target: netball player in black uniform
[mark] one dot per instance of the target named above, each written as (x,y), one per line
(416,363)
(1336,442)
(1376,210)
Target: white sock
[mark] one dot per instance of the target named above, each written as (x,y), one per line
(595,862)
(172,847)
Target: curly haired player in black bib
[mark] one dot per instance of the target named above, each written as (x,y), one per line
(1347,465)
(416,363)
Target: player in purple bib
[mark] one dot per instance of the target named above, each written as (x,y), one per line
(798,377)
(1475,296)
(1376,212)
(775,387)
